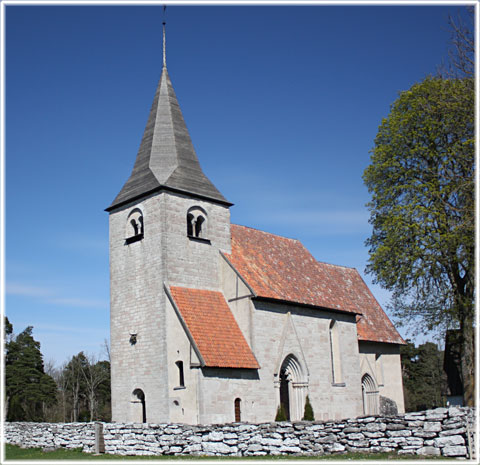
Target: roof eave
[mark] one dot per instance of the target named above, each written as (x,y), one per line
(162,188)
(403,343)
(304,305)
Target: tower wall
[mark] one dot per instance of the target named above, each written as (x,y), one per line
(137,272)
(191,262)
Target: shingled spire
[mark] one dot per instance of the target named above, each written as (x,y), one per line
(166,159)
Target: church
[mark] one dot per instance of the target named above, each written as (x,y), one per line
(213,322)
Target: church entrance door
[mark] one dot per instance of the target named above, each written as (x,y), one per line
(293,387)
(370,395)
(284,393)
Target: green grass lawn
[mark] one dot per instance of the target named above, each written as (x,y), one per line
(16,453)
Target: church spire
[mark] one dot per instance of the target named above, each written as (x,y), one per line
(166,159)
(164,46)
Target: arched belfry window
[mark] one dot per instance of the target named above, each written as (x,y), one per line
(335,353)
(197,223)
(134,228)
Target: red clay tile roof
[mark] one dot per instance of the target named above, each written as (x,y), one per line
(279,268)
(373,324)
(213,328)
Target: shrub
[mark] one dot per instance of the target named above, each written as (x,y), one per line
(308,413)
(281,415)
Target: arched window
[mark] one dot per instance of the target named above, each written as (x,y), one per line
(138,405)
(369,395)
(197,223)
(335,353)
(134,230)
(181,379)
(238,412)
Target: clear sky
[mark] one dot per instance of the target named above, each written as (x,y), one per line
(282,104)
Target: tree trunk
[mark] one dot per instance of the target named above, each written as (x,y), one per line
(75,401)
(467,362)
(92,404)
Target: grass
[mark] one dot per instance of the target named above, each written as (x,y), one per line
(17,453)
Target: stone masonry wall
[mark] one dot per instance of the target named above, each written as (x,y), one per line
(433,432)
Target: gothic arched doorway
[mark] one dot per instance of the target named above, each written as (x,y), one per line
(292,387)
(369,395)
(284,394)
(139,412)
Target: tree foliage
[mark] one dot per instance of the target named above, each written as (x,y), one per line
(424,380)
(77,391)
(85,388)
(29,390)
(421,179)
(308,411)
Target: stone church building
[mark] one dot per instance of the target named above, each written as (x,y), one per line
(213,322)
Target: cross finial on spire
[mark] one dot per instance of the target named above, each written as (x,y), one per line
(164,47)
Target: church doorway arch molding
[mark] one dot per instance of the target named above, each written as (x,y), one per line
(292,387)
(138,407)
(369,395)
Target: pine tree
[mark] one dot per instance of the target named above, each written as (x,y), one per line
(28,389)
(308,412)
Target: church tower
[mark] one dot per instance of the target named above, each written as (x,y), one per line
(167,226)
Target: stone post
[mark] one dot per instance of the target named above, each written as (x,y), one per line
(99,441)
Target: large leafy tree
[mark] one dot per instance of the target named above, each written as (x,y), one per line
(29,391)
(424,380)
(421,179)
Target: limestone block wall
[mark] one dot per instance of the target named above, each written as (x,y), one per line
(51,435)
(137,306)
(382,362)
(237,294)
(194,263)
(304,333)
(433,432)
(183,400)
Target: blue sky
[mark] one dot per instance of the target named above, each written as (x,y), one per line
(282,103)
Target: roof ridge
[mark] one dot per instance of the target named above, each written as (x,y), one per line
(266,232)
(339,266)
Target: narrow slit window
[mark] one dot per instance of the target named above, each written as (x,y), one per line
(181,379)
(238,411)
(335,353)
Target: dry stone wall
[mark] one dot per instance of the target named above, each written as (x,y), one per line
(440,431)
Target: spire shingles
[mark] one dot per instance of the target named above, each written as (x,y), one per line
(166,159)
